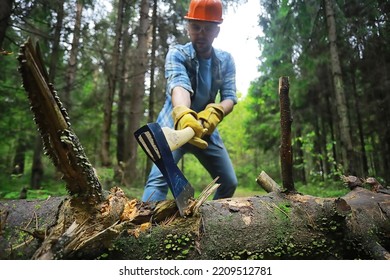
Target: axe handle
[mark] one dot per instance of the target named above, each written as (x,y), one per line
(177,138)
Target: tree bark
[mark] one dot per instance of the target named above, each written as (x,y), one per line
(37,169)
(112,73)
(56,40)
(138,86)
(72,63)
(286,156)
(338,84)
(60,143)
(123,99)
(19,158)
(153,67)
(5,13)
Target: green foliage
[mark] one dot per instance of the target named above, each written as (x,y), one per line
(326,188)
(11,186)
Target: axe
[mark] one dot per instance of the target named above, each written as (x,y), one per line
(158,143)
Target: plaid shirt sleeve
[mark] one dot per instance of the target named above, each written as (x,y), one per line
(164,118)
(228,87)
(175,70)
(176,75)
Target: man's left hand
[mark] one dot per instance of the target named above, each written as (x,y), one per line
(211,116)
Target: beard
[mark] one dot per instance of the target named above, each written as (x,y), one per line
(202,47)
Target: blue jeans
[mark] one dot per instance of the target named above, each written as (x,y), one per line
(215,159)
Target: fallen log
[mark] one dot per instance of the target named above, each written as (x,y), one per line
(273,226)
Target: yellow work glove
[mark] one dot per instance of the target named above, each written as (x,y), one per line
(211,116)
(185,117)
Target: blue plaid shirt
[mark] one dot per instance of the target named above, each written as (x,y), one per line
(182,69)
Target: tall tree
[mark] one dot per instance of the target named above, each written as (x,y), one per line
(5,13)
(124,93)
(112,82)
(138,88)
(153,63)
(56,45)
(338,84)
(72,62)
(37,169)
(153,66)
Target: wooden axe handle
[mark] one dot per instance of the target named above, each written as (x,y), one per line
(177,138)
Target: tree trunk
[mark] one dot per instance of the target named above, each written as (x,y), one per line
(152,90)
(37,169)
(112,82)
(19,159)
(72,63)
(338,84)
(5,13)
(331,123)
(123,101)
(138,86)
(153,65)
(124,88)
(56,40)
(300,172)
(357,105)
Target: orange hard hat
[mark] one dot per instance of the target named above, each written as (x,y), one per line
(205,10)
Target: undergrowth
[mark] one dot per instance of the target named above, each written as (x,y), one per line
(52,185)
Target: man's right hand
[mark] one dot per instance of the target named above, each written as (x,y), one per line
(185,117)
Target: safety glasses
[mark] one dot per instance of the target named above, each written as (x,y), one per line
(208,29)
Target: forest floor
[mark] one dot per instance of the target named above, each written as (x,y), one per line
(11,187)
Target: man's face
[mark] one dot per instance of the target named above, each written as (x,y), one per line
(202,35)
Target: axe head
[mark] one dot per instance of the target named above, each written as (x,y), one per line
(152,140)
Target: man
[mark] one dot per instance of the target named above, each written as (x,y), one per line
(195,73)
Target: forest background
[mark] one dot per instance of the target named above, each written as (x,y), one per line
(107,65)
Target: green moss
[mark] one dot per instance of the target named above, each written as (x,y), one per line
(160,244)
(285,208)
(177,246)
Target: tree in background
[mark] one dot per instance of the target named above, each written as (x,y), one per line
(346,147)
(296,43)
(5,13)
(138,88)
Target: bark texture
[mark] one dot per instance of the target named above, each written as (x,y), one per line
(113,70)
(60,143)
(347,150)
(138,89)
(5,13)
(286,156)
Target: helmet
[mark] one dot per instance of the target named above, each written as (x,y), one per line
(205,10)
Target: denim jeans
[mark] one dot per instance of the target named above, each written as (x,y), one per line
(215,159)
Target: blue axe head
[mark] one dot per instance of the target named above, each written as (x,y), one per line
(152,140)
